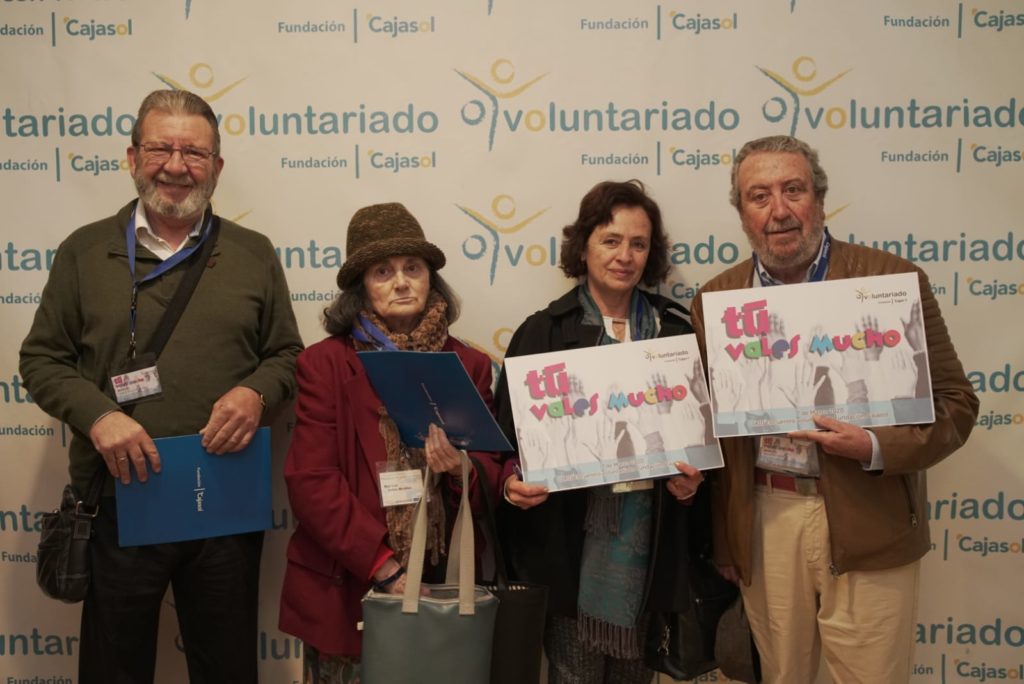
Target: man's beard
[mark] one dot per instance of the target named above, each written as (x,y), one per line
(805,253)
(192,205)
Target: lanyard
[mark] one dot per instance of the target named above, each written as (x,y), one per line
(163,267)
(368,333)
(819,270)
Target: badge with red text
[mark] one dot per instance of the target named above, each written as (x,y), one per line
(137,380)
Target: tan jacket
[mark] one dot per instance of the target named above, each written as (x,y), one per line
(876,521)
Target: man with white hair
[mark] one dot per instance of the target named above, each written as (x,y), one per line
(827,560)
(229,359)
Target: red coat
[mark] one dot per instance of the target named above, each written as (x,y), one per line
(334,492)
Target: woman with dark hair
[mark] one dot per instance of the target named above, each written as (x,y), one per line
(348,539)
(606,554)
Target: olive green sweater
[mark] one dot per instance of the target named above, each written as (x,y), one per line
(238,329)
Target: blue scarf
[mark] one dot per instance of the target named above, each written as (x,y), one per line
(617,531)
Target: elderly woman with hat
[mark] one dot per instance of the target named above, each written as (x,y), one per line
(392,298)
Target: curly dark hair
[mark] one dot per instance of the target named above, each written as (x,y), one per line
(596,210)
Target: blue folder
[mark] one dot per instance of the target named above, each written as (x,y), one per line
(420,388)
(197,494)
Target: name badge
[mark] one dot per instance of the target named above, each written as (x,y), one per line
(632,486)
(797,456)
(400,487)
(137,380)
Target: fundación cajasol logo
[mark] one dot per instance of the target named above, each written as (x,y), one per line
(498,225)
(80,28)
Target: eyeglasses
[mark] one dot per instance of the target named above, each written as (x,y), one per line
(161,154)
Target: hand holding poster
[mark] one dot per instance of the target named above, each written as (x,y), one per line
(852,349)
(612,413)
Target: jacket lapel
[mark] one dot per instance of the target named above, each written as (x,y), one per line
(365,405)
(838,265)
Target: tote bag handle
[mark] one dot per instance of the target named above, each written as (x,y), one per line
(460,557)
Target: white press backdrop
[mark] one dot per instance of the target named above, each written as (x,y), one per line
(489,119)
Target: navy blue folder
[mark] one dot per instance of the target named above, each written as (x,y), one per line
(197,494)
(420,388)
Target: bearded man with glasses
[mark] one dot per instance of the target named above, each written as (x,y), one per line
(228,363)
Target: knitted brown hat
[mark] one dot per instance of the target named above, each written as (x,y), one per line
(380,231)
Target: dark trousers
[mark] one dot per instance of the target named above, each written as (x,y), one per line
(216,594)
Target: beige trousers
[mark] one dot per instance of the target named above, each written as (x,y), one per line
(863,621)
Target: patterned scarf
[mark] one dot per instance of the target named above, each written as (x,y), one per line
(430,334)
(617,529)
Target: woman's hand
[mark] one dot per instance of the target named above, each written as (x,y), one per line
(684,485)
(386,571)
(394,586)
(730,573)
(442,457)
(522,495)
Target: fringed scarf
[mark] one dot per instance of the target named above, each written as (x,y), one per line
(429,335)
(617,529)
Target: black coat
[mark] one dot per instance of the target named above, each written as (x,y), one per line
(544,544)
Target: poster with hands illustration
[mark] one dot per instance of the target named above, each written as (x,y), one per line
(852,349)
(613,413)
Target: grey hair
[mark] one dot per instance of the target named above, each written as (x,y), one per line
(780,143)
(176,102)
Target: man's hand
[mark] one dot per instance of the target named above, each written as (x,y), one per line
(838,438)
(124,444)
(233,420)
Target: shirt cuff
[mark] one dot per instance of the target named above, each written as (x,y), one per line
(104,415)
(877,462)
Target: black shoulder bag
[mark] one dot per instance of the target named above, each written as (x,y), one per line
(62,558)
(522,611)
(682,644)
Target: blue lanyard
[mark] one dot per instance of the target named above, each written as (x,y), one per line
(820,268)
(164,266)
(369,333)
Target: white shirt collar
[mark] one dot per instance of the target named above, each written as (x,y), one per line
(153,242)
(762,276)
